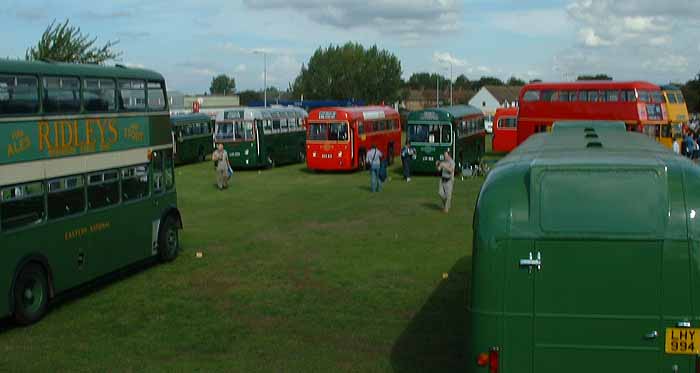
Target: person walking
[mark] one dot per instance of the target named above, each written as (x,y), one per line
(223,166)
(677,145)
(407,154)
(447,177)
(374,160)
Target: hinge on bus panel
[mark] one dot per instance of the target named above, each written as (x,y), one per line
(531,262)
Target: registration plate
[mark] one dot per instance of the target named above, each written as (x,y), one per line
(327,156)
(683,341)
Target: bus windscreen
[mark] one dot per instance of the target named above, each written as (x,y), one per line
(328,131)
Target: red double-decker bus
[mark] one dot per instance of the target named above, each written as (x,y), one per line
(639,104)
(338,138)
(505,130)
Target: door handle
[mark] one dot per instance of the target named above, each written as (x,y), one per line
(531,261)
(651,335)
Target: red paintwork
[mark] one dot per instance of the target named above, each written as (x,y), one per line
(535,115)
(356,144)
(504,139)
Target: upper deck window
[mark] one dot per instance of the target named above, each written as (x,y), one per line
(628,96)
(657,97)
(547,95)
(156,96)
(132,95)
(679,97)
(671,98)
(18,94)
(61,95)
(530,96)
(99,95)
(612,96)
(644,96)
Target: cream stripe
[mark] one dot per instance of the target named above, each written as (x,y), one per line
(17,173)
(83,116)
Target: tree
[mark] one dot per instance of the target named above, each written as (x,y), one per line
(515,81)
(594,77)
(350,72)
(249,96)
(66,43)
(691,93)
(462,82)
(536,81)
(222,85)
(486,80)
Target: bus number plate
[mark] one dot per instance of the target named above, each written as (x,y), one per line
(326,156)
(683,341)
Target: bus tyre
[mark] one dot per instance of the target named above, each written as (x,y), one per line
(31,294)
(168,240)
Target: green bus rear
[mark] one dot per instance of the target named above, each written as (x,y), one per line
(192,137)
(262,137)
(86,178)
(459,129)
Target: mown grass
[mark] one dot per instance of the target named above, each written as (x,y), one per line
(300,271)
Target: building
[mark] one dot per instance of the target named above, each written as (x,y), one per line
(419,99)
(213,102)
(489,98)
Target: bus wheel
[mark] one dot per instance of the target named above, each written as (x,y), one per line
(168,240)
(31,294)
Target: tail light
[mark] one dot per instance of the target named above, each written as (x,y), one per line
(489,359)
(642,110)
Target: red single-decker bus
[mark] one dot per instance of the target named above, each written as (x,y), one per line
(505,130)
(338,138)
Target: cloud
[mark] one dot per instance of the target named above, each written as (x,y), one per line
(668,63)
(535,22)
(32,14)
(240,68)
(590,39)
(133,35)
(445,58)
(409,19)
(92,14)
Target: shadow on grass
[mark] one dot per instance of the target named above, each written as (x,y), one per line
(88,289)
(436,338)
(432,206)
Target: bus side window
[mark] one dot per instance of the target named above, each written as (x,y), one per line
(134,182)
(157,165)
(156,96)
(66,196)
(21,205)
(61,95)
(446,134)
(103,189)
(18,94)
(99,95)
(132,95)
(169,170)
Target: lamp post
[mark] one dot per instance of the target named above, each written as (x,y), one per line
(264,72)
(437,92)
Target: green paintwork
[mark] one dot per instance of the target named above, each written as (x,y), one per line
(191,148)
(275,149)
(616,227)
(36,139)
(79,70)
(468,146)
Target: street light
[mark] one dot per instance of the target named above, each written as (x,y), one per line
(264,71)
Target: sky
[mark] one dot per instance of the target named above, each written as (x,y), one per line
(190,41)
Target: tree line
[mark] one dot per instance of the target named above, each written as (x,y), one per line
(350,71)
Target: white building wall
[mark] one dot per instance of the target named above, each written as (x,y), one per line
(485,101)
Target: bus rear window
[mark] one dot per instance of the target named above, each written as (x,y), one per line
(61,95)
(530,96)
(18,95)
(21,205)
(132,95)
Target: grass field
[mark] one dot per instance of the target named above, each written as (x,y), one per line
(300,272)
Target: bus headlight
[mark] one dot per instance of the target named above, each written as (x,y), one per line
(247,152)
(340,154)
(314,154)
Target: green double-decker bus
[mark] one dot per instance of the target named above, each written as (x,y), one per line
(86,178)
(192,137)
(262,137)
(458,128)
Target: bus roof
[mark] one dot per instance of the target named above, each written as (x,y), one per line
(608,124)
(72,69)
(589,143)
(670,87)
(251,113)
(444,114)
(589,84)
(196,117)
(356,112)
